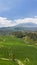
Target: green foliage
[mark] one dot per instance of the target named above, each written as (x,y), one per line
(2,62)
(15,48)
(21,34)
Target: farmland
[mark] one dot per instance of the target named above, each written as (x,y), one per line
(13,48)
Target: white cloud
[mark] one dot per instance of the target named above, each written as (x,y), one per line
(26,20)
(4,22)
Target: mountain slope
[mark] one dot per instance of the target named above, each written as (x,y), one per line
(27,25)
(19,27)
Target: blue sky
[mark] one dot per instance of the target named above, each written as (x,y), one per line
(13,12)
(14,9)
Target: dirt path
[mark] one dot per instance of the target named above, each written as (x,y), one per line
(19,62)
(32,46)
(5,59)
(16,60)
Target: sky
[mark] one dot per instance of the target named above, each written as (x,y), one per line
(13,12)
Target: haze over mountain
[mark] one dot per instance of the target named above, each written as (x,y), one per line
(29,24)
(20,27)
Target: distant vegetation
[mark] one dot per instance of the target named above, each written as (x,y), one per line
(20,34)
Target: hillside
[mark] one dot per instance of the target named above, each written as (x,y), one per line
(18,45)
(16,48)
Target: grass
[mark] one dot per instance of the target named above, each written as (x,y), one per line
(17,47)
(2,62)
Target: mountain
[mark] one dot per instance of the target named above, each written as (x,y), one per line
(27,25)
(20,27)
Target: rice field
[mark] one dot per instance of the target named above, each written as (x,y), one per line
(15,48)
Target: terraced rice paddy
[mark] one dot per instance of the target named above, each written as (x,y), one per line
(15,48)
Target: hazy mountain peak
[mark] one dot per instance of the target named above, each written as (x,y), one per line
(29,24)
